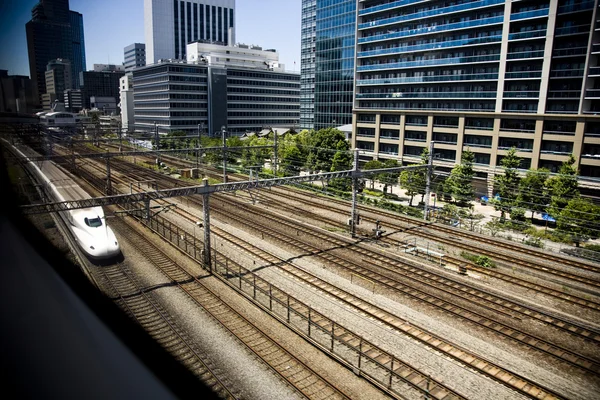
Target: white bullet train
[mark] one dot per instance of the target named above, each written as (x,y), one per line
(88,225)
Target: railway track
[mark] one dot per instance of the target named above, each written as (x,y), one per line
(467,358)
(568,297)
(470,294)
(390,279)
(513,332)
(297,374)
(140,306)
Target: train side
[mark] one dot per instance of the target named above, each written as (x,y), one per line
(88,225)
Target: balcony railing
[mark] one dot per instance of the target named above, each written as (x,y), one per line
(522,74)
(594,71)
(426,14)
(576,51)
(595,93)
(564,94)
(482,145)
(525,54)
(387,6)
(421,95)
(526,150)
(521,94)
(564,73)
(424,63)
(572,30)
(432,46)
(543,12)
(428,78)
(527,35)
(432,29)
(584,5)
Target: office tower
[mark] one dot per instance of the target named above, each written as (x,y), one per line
(242,87)
(58,79)
(126,102)
(17,93)
(100,85)
(307,64)
(169,25)
(327,63)
(54,32)
(134,56)
(486,75)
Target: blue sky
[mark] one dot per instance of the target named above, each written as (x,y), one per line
(110,25)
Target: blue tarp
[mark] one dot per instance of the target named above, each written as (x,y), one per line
(497,197)
(485,198)
(548,218)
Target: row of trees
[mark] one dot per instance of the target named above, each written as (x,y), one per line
(328,150)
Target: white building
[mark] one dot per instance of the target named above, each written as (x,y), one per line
(126,102)
(169,25)
(134,56)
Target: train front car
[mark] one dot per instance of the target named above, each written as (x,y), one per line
(93,234)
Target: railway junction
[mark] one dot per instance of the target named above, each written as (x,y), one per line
(264,281)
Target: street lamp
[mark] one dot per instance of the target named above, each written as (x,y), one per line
(223,132)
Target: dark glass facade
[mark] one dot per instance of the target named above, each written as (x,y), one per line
(331,76)
(54,32)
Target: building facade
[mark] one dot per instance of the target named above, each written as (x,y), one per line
(58,79)
(307,64)
(17,93)
(54,32)
(99,84)
(109,68)
(484,75)
(242,87)
(327,63)
(134,56)
(126,102)
(73,99)
(169,25)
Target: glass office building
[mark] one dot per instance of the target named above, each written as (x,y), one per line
(327,70)
(54,32)
(486,75)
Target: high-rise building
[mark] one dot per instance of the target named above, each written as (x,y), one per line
(54,32)
(242,87)
(58,79)
(17,93)
(307,64)
(134,56)
(327,63)
(484,75)
(169,25)
(126,102)
(100,85)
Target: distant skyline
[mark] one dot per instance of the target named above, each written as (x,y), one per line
(110,25)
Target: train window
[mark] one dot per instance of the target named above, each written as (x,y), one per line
(93,222)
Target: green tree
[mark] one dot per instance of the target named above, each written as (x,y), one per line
(342,161)
(389,178)
(533,192)
(507,184)
(324,144)
(580,218)
(413,182)
(373,164)
(460,182)
(472,217)
(254,157)
(494,226)
(563,187)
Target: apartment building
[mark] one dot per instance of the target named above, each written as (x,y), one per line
(484,75)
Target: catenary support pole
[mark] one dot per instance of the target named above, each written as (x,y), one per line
(206,223)
(354,189)
(108,183)
(275,154)
(224,155)
(427,187)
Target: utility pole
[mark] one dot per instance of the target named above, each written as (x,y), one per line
(200,129)
(157,144)
(108,183)
(275,154)
(427,187)
(119,133)
(206,223)
(354,189)
(223,132)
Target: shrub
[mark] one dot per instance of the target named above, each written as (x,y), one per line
(482,261)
